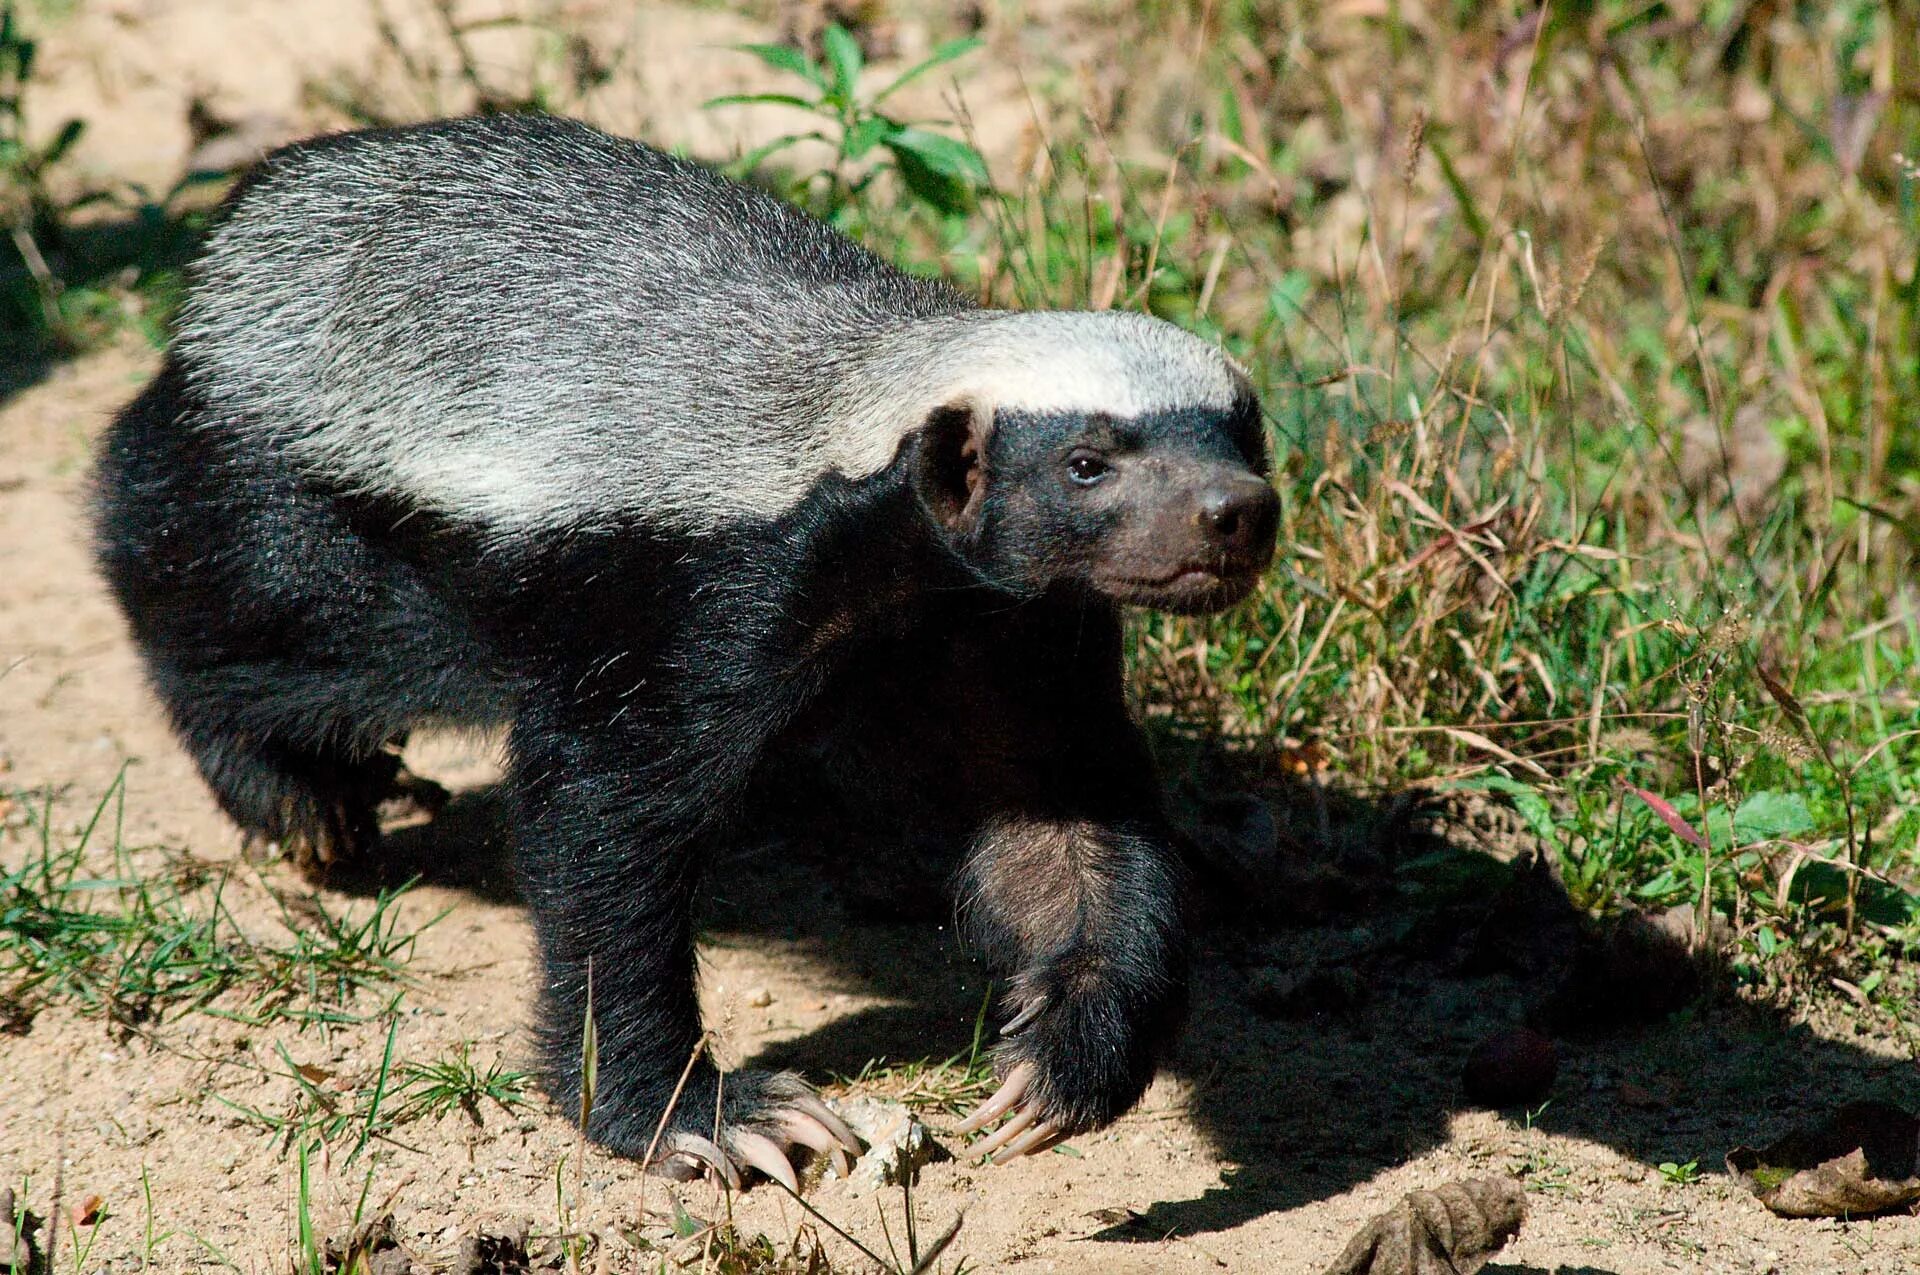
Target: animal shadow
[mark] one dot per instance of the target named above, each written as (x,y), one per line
(1350,954)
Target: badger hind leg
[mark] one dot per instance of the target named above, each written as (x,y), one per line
(290,651)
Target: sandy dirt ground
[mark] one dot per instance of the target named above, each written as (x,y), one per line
(1271,1138)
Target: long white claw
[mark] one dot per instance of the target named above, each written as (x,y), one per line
(809,1132)
(1002,1101)
(764,1154)
(1005,1133)
(811,1105)
(702,1149)
(1042,1134)
(1021,1019)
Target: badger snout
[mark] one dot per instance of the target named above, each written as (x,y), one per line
(1237,514)
(1206,535)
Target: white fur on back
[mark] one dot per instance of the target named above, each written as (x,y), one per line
(530,326)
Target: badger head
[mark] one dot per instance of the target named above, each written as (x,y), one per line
(1111,452)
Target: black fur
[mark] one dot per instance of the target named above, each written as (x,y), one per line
(932,641)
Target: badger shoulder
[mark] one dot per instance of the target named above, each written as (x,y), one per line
(527,324)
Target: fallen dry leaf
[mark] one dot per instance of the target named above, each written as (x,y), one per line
(1864,1158)
(89,1211)
(1452,1230)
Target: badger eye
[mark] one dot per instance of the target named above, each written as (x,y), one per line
(1087,469)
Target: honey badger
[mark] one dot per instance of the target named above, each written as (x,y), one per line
(507,421)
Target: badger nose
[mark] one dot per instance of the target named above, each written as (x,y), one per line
(1238,515)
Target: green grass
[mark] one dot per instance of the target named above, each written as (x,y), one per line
(950,1087)
(138,938)
(457,1083)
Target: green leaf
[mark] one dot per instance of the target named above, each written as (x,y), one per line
(940,57)
(1663,884)
(759,99)
(759,154)
(1822,886)
(867,134)
(589,1057)
(1451,874)
(938,170)
(784,57)
(947,156)
(1232,126)
(843,55)
(1287,299)
(1462,193)
(1766,816)
(63,141)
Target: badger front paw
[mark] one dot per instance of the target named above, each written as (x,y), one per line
(765,1118)
(1070,1063)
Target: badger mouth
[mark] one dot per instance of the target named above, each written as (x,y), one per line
(1191,588)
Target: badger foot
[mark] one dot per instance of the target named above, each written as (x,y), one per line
(330,819)
(765,1145)
(1027,1130)
(317,835)
(1071,1060)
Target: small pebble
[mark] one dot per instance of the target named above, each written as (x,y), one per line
(1511,1068)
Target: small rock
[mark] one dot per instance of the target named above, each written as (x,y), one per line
(373,1248)
(497,1249)
(1513,1068)
(759,998)
(897,1143)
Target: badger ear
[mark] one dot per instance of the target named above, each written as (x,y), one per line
(953,462)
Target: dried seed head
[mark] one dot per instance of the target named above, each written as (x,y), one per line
(1583,272)
(1728,632)
(1416,143)
(1785,744)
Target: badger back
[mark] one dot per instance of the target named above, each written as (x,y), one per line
(527,324)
